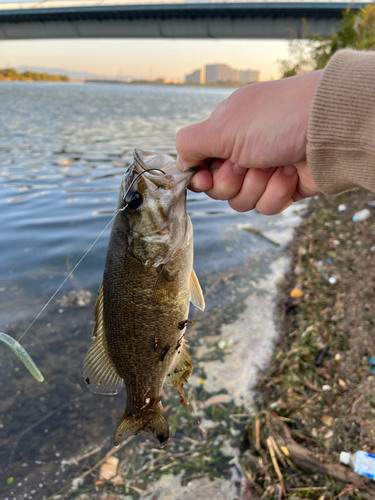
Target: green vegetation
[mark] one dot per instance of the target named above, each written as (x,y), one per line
(356,31)
(7,75)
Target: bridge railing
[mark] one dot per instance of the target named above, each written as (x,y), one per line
(37,4)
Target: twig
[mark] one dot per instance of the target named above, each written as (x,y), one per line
(308,488)
(277,449)
(75,460)
(141,492)
(109,454)
(312,386)
(275,464)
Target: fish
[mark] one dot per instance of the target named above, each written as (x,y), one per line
(22,354)
(143,303)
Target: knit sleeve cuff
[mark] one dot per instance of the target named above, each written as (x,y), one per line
(341,130)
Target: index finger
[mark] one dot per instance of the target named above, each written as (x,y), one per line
(197,142)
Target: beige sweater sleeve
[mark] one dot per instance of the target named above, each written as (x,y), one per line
(341,130)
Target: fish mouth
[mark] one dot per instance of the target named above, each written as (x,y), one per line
(159,164)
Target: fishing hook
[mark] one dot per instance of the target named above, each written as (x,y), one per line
(137,177)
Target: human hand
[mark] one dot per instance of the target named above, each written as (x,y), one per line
(252,149)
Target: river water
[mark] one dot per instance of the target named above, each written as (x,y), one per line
(63,151)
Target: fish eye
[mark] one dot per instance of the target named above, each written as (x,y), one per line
(135,201)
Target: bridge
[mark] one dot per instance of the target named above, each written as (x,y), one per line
(71,19)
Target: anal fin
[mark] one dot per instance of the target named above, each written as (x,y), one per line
(98,371)
(180,374)
(196,294)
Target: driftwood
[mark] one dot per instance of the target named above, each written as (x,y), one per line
(304,459)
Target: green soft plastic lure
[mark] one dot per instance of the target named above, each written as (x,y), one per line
(20,352)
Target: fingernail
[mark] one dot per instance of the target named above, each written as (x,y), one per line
(289,170)
(179,164)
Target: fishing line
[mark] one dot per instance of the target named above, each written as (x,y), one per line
(87,251)
(71,272)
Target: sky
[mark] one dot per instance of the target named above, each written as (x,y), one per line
(145,58)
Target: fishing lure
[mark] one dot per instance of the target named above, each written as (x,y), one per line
(20,352)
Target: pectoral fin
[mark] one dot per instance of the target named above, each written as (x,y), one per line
(196,294)
(98,371)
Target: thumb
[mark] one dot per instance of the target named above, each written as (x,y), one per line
(197,142)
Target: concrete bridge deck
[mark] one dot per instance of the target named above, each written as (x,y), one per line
(180,20)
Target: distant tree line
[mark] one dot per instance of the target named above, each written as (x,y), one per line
(356,31)
(30,76)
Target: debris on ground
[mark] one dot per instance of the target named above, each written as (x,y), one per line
(318,397)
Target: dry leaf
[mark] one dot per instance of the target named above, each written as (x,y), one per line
(117,480)
(327,420)
(109,468)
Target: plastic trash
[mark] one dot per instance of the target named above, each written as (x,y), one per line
(342,207)
(361,462)
(371,203)
(361,215)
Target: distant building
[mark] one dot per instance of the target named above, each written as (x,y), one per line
(222,73)
(249,76)
(198,76)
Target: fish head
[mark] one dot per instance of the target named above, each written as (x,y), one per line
(155,222)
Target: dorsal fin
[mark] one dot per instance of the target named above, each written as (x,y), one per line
(196,294)
(99,372)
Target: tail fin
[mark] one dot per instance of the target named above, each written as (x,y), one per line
(151,421)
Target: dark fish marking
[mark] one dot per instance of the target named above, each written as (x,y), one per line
(179,342)
(164,352)
(156,341)
(182,324)
(87,380)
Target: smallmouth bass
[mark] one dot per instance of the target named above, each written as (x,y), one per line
(143,303)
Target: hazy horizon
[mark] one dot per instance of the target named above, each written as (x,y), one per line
(144,58)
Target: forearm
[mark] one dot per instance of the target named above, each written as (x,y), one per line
(341,130)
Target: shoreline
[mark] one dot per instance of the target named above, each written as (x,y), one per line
(114,82)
